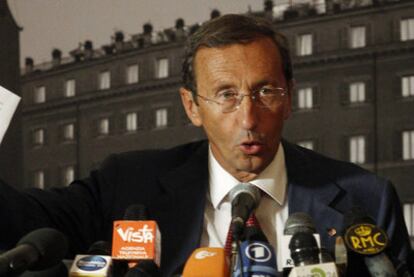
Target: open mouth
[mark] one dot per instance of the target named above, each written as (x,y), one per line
(251,147)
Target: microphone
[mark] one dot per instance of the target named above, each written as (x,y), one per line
(207,262)
(40,249)
(97,261)
(305,255)
(256,257)
(304,249)
(296,223)
(137,241)
(363,237)
(244,199)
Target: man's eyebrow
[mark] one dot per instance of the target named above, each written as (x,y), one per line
(266,82)
(220,85)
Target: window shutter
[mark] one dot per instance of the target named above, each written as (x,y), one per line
(395,30)
(94,127)
(120,122)
(343,90)
(344,38)
(295,99)
(369,38)
(369,90)
(315,44)
(345,148)
(397,87)
(397,149)
(316,96)
(293,46)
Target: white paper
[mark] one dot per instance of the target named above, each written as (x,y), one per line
(8,105)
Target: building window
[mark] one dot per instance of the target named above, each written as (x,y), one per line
(39,179)
(407,86)
(69,131)
(161,118)
(68,175)
(161,68)
(103,126)
(104,80)
(38,137)
(131,122)
(40,95)
(305,98)
(407,29)
(307,144)
(357,149)
(132,74)
(408,210)
(304,45)
(357,92)
(357,37)
(408,145)
(70,88)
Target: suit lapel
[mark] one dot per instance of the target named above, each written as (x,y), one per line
(181,222)
(313,192)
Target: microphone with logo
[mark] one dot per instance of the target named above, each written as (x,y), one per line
(97,261)
(207,262)
(305,254)
(362,237)
(40,249)
(256,255)
(296,223)
(137,241)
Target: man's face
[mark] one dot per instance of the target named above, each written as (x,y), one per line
(246,140)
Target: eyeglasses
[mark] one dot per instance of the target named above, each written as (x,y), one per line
(229,100)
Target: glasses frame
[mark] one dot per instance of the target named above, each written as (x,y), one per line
(255,94)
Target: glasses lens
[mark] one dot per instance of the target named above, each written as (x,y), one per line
(230,105)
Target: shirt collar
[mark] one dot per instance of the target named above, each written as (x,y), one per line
(272,180)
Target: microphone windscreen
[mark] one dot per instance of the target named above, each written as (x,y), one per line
(245,188)
(299,222)
(101,248)
(51,244)
(207,262)
(56,271)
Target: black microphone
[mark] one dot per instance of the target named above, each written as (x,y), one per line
(304,249)
(308,259)
(244,199)
(366,239)
(38,250)
(296,223)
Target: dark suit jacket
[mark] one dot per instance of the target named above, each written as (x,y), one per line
(173,185)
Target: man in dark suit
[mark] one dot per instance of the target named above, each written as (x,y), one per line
(238,86)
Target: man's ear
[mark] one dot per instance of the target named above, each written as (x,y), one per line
(190,106)
(288,107)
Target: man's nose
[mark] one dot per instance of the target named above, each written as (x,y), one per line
(248,113)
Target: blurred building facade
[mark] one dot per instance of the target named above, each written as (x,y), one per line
(354,97)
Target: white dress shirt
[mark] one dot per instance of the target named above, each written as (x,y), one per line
(271,213)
